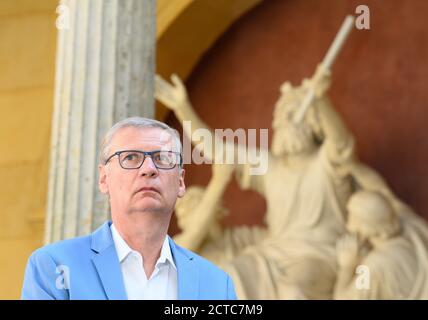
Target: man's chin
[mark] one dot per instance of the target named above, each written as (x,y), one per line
(147,209)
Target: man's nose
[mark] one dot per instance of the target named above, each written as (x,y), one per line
(148,168)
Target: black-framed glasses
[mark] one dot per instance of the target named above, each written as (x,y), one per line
(134,159)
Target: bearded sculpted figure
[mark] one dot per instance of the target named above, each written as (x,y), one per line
(306,188)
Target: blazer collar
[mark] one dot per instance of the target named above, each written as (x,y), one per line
(107,265)
(187,272)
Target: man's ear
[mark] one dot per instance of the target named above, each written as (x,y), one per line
(102,181)
(182,186)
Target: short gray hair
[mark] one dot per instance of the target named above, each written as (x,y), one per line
(136,122)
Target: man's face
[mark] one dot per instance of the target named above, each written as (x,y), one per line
(146,189)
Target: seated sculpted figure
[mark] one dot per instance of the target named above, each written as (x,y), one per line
(199,214)
(384,254)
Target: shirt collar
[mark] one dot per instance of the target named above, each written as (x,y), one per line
(123,249)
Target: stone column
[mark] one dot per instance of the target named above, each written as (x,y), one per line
(104,72)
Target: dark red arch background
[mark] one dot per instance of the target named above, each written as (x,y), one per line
(380,86)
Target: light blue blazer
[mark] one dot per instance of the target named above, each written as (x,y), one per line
(88,268)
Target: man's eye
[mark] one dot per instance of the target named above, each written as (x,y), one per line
(163,158)
(131,157)
(158,157)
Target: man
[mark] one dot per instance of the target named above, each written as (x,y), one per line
(130,257)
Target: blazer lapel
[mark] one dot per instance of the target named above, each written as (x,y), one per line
(107,263)
(187,273)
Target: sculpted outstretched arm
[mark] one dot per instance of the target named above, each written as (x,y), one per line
(174,96)
(338,140)
(205,214)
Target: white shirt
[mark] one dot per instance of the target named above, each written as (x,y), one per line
(162,284)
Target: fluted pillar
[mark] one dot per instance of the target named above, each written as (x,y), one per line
(104,72)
